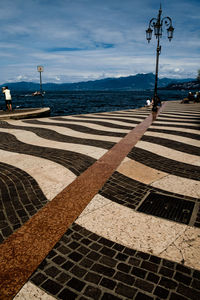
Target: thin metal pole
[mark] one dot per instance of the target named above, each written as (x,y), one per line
(159,31)
(41,88)
(41,82)
(156,76)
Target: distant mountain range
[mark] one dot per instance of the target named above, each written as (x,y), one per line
(133,82)
(190,85)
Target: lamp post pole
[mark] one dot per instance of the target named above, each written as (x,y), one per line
(157,24)
(40,70)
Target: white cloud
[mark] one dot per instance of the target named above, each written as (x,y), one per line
(32,32)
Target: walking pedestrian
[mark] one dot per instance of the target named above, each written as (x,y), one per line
(8,98)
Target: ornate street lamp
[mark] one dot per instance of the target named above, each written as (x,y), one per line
(156,24)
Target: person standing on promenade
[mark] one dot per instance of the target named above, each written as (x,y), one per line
(190,96)
(8,98)
(197,97)
(148,102)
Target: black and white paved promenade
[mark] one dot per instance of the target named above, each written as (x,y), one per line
(139,235)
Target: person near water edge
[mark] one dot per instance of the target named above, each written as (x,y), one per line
(8,98)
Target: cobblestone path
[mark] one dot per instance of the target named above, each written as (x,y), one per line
(113,250)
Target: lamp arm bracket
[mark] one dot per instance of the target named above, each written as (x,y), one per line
(167,21)
(152,22)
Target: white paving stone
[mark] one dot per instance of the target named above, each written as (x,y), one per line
(174,129)
(33,139)
(67,131)
(32,292)
(174,137)
(111,121)
(51,177)
(169,153)
(89,125)
(143,232)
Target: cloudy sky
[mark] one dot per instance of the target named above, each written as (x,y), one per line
(78,40)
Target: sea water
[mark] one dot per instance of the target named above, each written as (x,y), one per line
(82,102)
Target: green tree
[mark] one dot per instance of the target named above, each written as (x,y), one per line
(198,75)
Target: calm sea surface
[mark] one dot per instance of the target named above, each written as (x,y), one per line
(82,102)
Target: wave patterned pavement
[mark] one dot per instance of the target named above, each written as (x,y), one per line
(114,249)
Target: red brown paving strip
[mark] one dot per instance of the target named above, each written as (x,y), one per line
(25,249)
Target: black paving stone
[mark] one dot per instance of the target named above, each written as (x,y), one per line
(178,126)
(107,296)
(141,296)
(149,266)
(138,272)
(76,284)
(73,245)
(121,256)
(104,276)
(55,136)
(64,250)
(59,260)
(78,271)
(67,294)
(75,256)
(108,261)
(52,272)
(144,285)
(175,296)
(166,272)
(183,269)
(51,286)
(103,123)
(63,278)
(142,255)
(125,291)
(86,263)
(124,267)
(182,278)
(39,278)
(86,241)
(196,274)
(75,162)
(129,192)
(95,246)
(196,284)
(18,199)
(105,242)
(178,146)
(83,250)
(79,128)
(107,251)
(168,283)
(165,164)
(93,277)
(93,255)
(108,283)
(103,270)
(188,292)
(155,259)
(125,278)
(153,277)
(92,292)
(161,292)
(118,247)
(134,261)
(168,264)
(43,264)
(67,266)
(128,251)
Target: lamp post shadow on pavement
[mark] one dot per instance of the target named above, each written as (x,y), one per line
(157,25)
